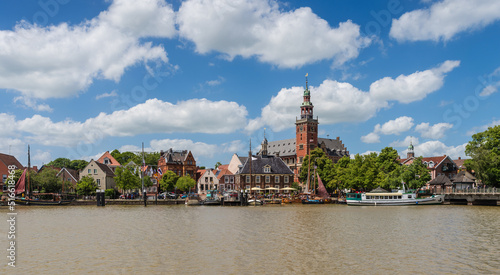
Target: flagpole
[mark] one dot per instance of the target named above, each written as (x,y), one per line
(142,177)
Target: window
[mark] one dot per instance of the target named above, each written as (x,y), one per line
(231,180)
(222,186)
(226,179)
(268,179)
(257,179)
(301,147)
(267,186)
(247,187)
(409,196)
(106,161)
(90,171)
(277,186)
(267,169)
(286,179)
(248,179)
(206,179)
(98,181)
(277,179)
(95,171)
(286,191)
(4,179)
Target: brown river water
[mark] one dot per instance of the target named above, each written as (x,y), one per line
(272,239)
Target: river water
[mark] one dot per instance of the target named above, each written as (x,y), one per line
(272,239)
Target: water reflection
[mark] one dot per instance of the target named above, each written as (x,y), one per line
(294,239)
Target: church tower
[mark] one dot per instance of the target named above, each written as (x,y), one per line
(306,128)
(411,152)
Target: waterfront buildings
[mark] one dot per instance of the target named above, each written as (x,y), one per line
(181,163)
(5,162)
(101,173)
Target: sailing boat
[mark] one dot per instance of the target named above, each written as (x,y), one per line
(27,198)
(322,194)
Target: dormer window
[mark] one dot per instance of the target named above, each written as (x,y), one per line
(267,169)
(106,161)
(431,164)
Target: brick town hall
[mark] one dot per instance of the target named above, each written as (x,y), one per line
(292,151)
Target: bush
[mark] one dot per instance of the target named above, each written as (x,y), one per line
(110,193)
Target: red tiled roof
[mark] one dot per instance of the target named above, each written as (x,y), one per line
(113,161)
(10,160)
(459,162)
(223,172)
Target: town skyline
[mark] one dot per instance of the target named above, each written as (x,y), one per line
(81,78)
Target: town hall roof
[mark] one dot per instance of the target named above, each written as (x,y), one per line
(259,162)
(287,147)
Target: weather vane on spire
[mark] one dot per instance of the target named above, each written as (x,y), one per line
(306,80)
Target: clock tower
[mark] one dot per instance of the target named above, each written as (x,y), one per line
(306,128)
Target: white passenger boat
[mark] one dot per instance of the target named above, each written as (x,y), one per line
(396,198)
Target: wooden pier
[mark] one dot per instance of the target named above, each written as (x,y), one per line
(480,196)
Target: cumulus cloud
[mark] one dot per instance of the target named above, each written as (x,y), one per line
(414,87)
(261,29)
(337,102)
(371,138)
(63,60)
(435,131)
(104,95)
(391,127)
(483,128)
(444,20)
(437,148)
(153,116)
(406,142)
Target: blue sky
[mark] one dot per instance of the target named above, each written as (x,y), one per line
(78,78)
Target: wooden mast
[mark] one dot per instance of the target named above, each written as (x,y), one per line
(29,167)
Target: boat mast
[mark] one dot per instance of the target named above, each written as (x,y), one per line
(29,167)
(308,172)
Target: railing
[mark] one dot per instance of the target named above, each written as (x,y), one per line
(480,191)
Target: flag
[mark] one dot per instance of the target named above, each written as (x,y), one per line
(159,171)
(307,74)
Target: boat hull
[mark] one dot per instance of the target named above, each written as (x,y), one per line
(41,202)
(427,201)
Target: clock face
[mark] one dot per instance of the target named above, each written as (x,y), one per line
(300,128)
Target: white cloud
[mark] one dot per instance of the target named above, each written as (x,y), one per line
(42,157)
(371,138)
(444,20)
(406,142)
(493,86)
(32,103)
(435,131)
(63,60)
(153,116)
(414,87)
(437,148)
(104,95)
(8,123)
(13,146)
(395,126)
(391,127)
(483,128)
(261,29)
(337,102)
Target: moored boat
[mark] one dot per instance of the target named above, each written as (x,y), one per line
(395,198)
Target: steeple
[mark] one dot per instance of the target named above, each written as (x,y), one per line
(264,145)
(411,152)
(306,108)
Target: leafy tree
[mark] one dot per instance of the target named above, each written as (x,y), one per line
(218,164)
(47,181)
(111,193)
(414,175)
(168,181)
(125,179)
(60,162)
(484,150)
(185,183)
(86,186)
(152,158)
(324,166)
(388,160)
(78,164)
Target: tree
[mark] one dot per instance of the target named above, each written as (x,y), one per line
(125,179)
(324,166)
(484,150)
(168,181)
(86,186)
(47,181)
(218,164)
(60,163)
(414,175)
(78,164)
(185,183)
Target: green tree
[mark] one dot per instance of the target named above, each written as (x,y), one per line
(185,183)
(217,165)
(86,186)
(78,164)
(126,179)
(484,150)
(324,166)
(47,181)
(168,181)
(60,163)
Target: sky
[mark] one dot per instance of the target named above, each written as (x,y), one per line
(78,78)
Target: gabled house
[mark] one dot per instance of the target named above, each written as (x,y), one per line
(109,160)
(264,171)
(181,163)
(464,180)
(5,162)
(441,165)
(69,176)
(225,178)
(102,174)
(236,163)
(207,181)
(440,184)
